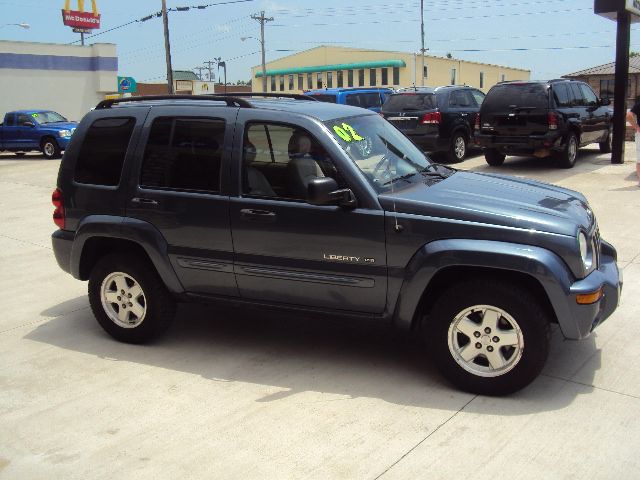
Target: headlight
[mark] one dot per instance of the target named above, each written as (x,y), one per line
(585,253)
(64,133)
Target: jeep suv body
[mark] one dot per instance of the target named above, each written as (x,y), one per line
(324,208)
(370,98)
(542,118)
(437,119)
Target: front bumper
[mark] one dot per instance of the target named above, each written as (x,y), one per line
(585,318)
(63,142)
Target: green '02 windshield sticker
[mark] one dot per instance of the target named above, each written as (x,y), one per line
(34,115)
(347,133)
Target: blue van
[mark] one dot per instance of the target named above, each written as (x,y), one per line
(371,98)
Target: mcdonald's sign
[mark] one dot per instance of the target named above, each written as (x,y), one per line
(79,18)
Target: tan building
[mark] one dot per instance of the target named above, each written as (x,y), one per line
(335,67)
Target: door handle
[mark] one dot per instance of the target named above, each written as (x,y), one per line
(144,201)
(253,215)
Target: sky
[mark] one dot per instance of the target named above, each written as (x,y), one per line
(549,37)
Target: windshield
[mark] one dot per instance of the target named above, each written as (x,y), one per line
(383,154)
(48,117)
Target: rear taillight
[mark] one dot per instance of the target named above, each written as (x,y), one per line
(433,117)
(58,213)
(552,119)
(477,123)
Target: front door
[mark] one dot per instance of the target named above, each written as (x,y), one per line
(178,191)
(289,251)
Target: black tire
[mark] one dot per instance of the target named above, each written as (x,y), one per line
(523,361)
(50,148)
(494,157)
(569,154)
(457,148)
(152,313)
(605,147)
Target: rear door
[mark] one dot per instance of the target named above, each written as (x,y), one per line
(461,111)
(177,189)
(516,109)
(597,116)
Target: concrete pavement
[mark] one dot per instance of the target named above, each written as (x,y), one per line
(241,394)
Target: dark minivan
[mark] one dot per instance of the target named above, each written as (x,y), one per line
(542,118)
(437,119)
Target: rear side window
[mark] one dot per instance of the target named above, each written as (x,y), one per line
(324,98)
(577,98)
(103,150)
(363,100)
(8,120)
(502,97)
(410,101)
(183,154)
(591,100)
(460,98)
(561,95)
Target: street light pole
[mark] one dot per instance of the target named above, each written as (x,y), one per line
(167,47)
(422,50)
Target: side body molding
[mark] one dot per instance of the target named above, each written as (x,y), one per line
(137,231)
(540,264)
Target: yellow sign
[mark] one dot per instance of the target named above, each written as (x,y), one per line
(94,6)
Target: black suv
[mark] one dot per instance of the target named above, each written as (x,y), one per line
(316,207)
(437,119)
(542,118)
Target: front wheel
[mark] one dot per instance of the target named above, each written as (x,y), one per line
(129,299)
(50,148)
(458,148)
(487,337)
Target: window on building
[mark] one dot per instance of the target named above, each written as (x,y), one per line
(273,83)
(339,79)
(453,76)
(349,78)
(425,71)
(384,76)
(396,76)
(102,153)
(310,81)
(319,80)
(183,154)
(481,79)
(329,79)
(607,88)
(300,82)
(281,83)
(291,85)
(503,78)
(361,78)
(372,77)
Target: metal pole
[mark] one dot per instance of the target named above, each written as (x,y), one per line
(422,36)
(623,38)
(167,46)
(262,19)
(82,38)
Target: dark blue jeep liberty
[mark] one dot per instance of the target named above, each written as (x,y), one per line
(297,204)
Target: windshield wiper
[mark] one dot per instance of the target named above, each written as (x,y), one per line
(434,170)
(404,177)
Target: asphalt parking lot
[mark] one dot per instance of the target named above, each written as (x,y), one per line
(244,394)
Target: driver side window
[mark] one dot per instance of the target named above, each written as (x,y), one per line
(279,161)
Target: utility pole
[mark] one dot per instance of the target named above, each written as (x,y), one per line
(222,64)
(422,49)
(209,64)
(262,19)
(167,46)
(199,69)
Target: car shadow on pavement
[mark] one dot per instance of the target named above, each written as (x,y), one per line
(301,354)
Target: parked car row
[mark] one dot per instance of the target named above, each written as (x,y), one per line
(539,118)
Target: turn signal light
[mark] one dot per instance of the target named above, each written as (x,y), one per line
(58,213)
(589,298)
(477,123)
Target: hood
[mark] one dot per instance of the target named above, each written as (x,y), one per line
(495,199)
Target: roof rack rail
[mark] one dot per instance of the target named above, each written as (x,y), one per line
(295,96)
(231,101)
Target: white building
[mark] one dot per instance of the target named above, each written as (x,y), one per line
(68,79)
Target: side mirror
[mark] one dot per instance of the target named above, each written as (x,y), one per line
(605,101)
(324,191)
(28,124)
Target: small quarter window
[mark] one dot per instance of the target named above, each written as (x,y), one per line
(103,151)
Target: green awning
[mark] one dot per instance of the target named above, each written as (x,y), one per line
(338,66)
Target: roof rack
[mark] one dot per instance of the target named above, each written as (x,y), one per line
(295,96)
(231,101)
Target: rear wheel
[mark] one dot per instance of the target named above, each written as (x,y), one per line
(458,148)
(494,157)
(606,147)
(488,337)
(129,299)
(567,157)
(50,148)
